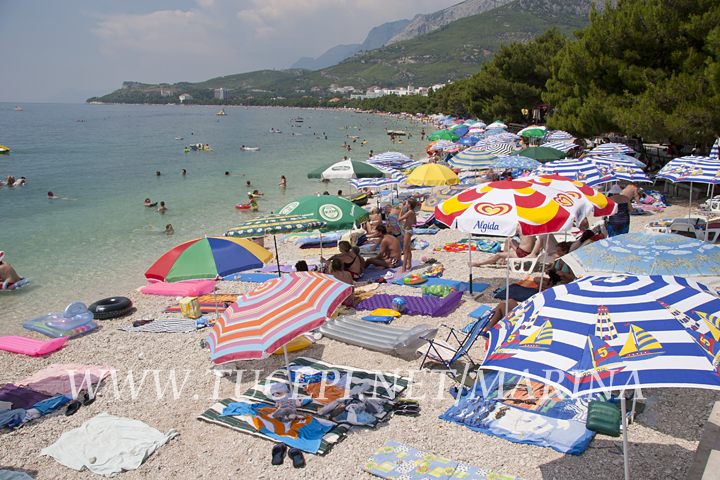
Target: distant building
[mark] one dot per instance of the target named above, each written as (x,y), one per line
(165,93)
(185,97)
(220,94)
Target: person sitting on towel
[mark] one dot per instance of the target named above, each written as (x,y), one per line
(519,246)
(350,261)
(390,251)
(344,276)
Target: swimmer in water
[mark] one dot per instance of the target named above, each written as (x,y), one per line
(162,208)
(148,203)
(227,174)
(183,172)
(283,181)
(257,193)
(248,183)
(169,230)
(157,173)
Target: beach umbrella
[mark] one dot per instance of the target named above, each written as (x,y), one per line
(618,169)
(610,148)
(559,135)
(497,124)
(438,145)
(443,135)
(439,195)
(337,213)
(346,169)
(274,225)
(459,130)
(389,159)
(641,253)
(208,257)
(275,313)
(606,333)
(474,158)
(615,157)
(562,145)
(715,150)
(576,169)
(542,154)
(532,132)
(468,141)
(499,136)
(395,177)
(515,162)
(691,169)
(432,174)
(602,206)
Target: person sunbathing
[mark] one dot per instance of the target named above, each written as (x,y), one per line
(517,247)
(390,251)
(8,275)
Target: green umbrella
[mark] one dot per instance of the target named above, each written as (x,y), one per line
(443,135)
(347,169)
(541,154)
(336,212)
(533,132)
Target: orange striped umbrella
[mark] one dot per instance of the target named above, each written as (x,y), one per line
(273,314)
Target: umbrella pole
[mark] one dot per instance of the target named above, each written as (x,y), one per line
(321,249)
(544,258)
(623,412)
(690,200)
(277,256)
(470,265)
(507,280)
(287,365)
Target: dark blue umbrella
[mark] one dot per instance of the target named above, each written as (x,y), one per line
(468,141)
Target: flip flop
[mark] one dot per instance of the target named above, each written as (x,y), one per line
(278,453)
(297,458)
(72,408)
(87,399)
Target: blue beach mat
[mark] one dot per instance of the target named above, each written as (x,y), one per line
(459,285)
(251,277)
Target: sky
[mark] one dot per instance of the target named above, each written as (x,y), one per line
(69,50)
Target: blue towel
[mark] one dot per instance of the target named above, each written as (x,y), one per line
(378,318)
(478,287)
(251,277)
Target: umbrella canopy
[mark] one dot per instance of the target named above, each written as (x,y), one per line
(615,157)
(347,169)
(498,208)
(646,254)
(499,136)
(559,135)
(460,130)
(389,158)
(468,141)
(497,124)
(443,135)
(209,257)
(610,148)
(337,213)
(395,177)
(576,169)
(715,150)
(562,145)
(610,166)
(275,224)
(542,154)
(474,158)
(497,148)
(515,162)
(438,145)
(432,174)
(602,206)
(618,332)
(273,314)
(533,132)
(439,195)
(692,169)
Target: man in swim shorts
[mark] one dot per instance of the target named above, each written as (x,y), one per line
(8,275)
(390,250)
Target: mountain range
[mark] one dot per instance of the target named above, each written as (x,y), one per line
(447,52)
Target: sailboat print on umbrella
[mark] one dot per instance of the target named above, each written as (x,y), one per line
(709,341)
(640,345)
(540,339)
(599,360)
(684,320)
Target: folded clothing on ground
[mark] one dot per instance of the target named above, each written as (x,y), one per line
(107,445)
(66,379)
(430,305)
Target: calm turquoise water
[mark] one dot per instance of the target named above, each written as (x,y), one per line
(104,157)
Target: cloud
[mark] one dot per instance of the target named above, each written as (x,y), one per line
(163,32)
(205,3)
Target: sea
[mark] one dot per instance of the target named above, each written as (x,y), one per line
(98,239)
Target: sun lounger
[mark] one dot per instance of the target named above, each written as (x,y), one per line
(381,338)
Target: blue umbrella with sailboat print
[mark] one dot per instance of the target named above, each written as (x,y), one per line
(641,253)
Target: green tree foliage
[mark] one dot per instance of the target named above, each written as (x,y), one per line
(644,67)
(514,79)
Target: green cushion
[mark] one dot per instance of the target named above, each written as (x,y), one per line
(604,417)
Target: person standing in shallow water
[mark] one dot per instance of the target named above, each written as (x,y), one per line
(283,181)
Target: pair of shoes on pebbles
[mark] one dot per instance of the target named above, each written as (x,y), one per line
(278,455)
(83,399)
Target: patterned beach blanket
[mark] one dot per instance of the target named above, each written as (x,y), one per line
(429,305)
(164,325)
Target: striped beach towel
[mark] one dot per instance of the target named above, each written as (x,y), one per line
(164,325)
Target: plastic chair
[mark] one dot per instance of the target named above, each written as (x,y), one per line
(525,265)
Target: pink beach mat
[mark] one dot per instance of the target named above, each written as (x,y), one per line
(31,346)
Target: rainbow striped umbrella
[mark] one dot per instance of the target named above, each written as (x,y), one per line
(209,257)
(273,314)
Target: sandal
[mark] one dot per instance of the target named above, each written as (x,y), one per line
(87,399)
(297,458)
(72,408)
(278,453)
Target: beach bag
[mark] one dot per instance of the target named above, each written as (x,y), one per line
(190,307)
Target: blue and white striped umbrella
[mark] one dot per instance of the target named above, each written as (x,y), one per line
(578,169)
(499,136)
(393,177)
(618,169)
(613,332)
(715,150)
(468,141)
(562,145)
(614,157)
(389,158)
(558,135)
(442,145)
(692,169)
(474,158)
(643,253)
(499,149)
(610,148)
(516,162)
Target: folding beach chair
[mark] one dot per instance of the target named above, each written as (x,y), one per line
(443,352)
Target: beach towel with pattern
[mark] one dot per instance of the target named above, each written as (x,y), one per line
(164,325)
(429,305)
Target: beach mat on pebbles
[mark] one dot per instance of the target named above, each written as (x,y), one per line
(459,285)
(164,325)
(427,305)
(373,273)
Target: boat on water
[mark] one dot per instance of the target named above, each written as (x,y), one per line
(398,133)
(249,149)
(275,130)
(198,147)
(4,150)
(298,120)
(179,138)
(221,113)
(18,108)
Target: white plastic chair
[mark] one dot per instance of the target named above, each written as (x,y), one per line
(525,265)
